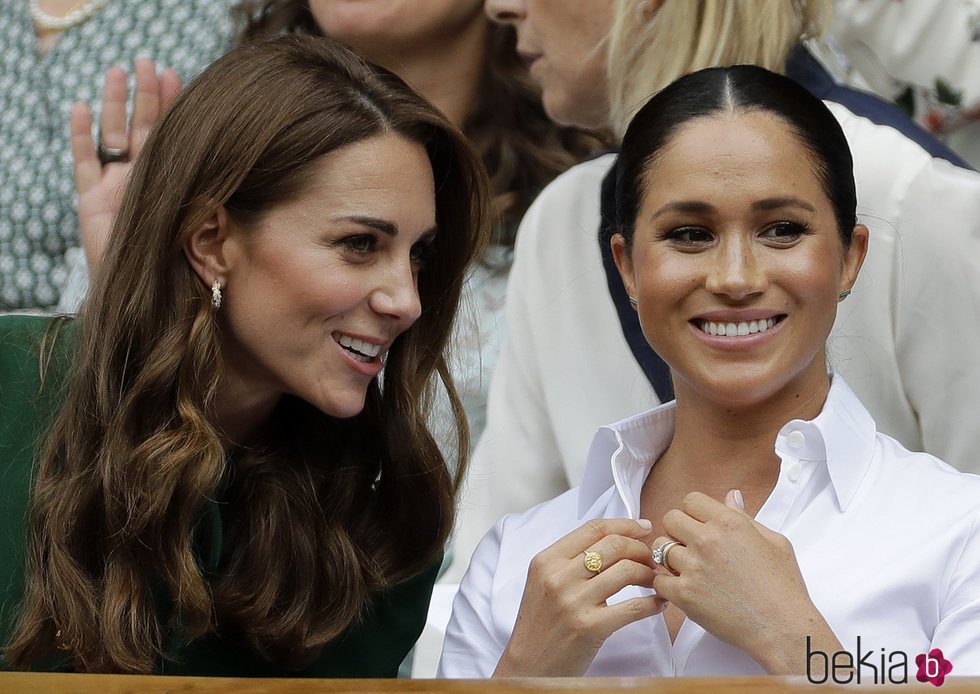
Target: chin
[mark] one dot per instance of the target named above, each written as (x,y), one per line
(342,408)
(738,391)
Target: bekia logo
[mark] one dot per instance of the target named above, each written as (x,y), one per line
(933,667)
(879,667)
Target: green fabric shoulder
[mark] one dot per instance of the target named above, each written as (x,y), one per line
(26,411)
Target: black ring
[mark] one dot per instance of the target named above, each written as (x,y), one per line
(109,155)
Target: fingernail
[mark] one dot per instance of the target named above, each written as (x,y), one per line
(738,499)
(645,524)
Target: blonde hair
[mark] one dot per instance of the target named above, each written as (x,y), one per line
(647,51)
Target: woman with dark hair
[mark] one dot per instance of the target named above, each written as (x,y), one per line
(467,66)
(450,53)
(785,528)
(900,340)
(224,484)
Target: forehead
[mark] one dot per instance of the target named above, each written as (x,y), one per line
(753,153)
(385,175)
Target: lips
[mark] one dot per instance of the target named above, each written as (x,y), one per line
(528,57)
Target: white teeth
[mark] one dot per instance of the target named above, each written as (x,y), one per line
(739,329)
(363,348)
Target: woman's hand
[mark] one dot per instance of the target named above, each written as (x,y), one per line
(563,617)
(740,581)
(99,185)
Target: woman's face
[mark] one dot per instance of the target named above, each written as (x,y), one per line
(737,262)
(319,290)
(563,43)
(375,28)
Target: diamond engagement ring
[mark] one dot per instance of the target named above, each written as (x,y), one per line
(660,555)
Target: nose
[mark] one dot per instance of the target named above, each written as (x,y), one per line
(397,295)
(736,271)
(504,11)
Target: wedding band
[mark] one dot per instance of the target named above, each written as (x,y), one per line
(108,155)
(593,561)
(660,555)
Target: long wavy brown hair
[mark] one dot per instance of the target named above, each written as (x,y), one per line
(320,513)
(520,146)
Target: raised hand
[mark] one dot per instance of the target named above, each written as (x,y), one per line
(740,581)
(101,172)
(563,617)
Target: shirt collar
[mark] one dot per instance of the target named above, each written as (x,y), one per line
(842,436)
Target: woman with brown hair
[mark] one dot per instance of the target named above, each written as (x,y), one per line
(223,483)
(450,53)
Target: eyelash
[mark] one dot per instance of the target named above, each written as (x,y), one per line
(677,235)
(422,251)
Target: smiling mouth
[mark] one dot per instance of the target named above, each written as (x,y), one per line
(739,329)
(358,349)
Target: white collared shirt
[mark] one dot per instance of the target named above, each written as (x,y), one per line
(888,542)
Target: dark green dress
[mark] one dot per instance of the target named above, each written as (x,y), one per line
(373,647)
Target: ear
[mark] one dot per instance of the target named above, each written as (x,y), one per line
(211,248)
(854,256)
(624,263)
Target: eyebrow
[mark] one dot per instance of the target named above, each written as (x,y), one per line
(381,225)
(699,207)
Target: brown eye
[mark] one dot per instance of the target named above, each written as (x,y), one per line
(422,253)
(690,236)
(363,243)
(784,232)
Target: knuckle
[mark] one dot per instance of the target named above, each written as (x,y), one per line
(617,544)
(578,624)
(596,527)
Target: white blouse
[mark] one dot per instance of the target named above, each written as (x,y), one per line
(887,541)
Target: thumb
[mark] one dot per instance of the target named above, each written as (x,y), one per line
(733,500)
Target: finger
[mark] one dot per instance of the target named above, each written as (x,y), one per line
(668,587)
(681,527)
(615,617)
(702,507)
(112,123)
(617,548)
(169,87)
(146,104)
(576,542)
(677,557)
(623,573)
(734,500)
(88,168)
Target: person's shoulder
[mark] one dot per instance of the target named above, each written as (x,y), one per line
(564,217)
(922,476)
(20,336)
(585,177)
(891,147)
(531,531)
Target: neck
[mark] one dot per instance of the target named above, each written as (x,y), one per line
(719,446)
(240,408)
(447,73)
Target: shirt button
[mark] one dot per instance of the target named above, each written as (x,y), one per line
(793,472)
(796,439)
